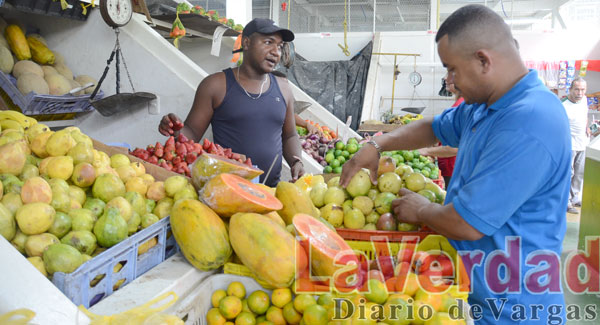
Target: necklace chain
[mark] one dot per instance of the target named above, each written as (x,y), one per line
(248,94)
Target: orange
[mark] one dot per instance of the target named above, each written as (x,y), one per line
(275,315)
(236,289)
(303,301)
(432,299)
(281,297)
(315,314)
(290,314)
(258,302)
(214,317)
(217,296)
(245,318)
(230,307)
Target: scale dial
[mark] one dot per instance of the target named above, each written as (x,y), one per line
(116,13)
(415,78)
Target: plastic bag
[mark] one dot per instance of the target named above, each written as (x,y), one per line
(141,315)
(17,317)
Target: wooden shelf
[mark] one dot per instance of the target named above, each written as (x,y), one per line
(194,22)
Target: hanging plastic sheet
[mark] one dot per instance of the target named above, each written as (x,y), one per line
(339,86)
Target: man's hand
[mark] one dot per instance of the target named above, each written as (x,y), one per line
(406,208)
(313,129)
(366,157)
(297,170)
(170,124)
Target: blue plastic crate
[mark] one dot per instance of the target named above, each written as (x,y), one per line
(77,285)
(34,104)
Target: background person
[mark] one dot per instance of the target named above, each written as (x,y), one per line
(512,171)
(251,111)
(577,110)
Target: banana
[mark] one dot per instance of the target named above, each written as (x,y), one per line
(11,124)
(15,116)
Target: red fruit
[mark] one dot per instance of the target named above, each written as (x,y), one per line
(206,144)
(197,148)
(190,158)
(405,255)
(170,141)
(168,156)
(182,138)
(159,152)
(248,162)
(375,274)
(153,160)
(176,160)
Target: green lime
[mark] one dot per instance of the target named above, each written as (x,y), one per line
(327,169)
(335,163)
(339,145)
(329,157)
(342,159)
(337,170)
(337,153)
(352,147)
(346,153)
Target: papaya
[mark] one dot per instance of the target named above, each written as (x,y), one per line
(17,42)
(323,246)
(201,234)
(208,165)
(40,53)
(228,194)
(265,247)
(294,201)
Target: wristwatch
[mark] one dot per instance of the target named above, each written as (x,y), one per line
(377,147)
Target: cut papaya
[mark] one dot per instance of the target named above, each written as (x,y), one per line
(228,194)
(328,252)
(208,165)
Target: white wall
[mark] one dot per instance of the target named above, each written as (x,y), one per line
(156,67)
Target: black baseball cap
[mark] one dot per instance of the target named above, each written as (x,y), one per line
(265,26)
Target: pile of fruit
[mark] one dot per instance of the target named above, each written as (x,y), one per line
(64,202)
(184,8)
(413,159)
(328,134)
(339,153)
(362,205)
(178,154)
(37,68)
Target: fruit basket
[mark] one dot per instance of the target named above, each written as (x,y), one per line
(99,277)
(33,104)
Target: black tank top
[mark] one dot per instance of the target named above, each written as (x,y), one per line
(252,127)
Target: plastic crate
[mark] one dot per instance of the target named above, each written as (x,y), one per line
(51,8)
(380,235)
(77,285)
(193,308)
(33,104)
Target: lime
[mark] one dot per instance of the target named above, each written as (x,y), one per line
(280,297)
(245,318)
(425,173)
(339,145)
(326,300)
(341,159)
(352,147)
(337,153)
(352,141)
(230,307)
(398,158)
(334,163)
(416,153)
(217,296)
(408,155)
(237,289)
(327,169)
(214,317)
(329,157)
(245,307)
(337,170)
(345,153)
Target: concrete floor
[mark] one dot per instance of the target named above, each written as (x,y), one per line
(570,245)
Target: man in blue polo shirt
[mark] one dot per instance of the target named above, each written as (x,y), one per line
(505,205)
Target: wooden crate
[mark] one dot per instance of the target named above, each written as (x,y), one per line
(373,128)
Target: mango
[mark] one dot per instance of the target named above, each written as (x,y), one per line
(294,201)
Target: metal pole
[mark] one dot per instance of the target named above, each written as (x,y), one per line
(374,14)
(393,83)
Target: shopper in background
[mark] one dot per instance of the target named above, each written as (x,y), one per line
(250,110)
(577,110)
(446,155)
(510,185)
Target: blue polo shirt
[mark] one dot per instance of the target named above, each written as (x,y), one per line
(511,182)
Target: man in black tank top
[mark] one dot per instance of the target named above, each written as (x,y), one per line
(251,110)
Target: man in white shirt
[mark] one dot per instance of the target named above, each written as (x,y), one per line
(576,107)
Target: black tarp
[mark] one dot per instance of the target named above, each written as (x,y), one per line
(339,86)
